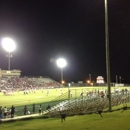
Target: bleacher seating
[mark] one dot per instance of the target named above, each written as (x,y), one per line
(17,83)
(88,105)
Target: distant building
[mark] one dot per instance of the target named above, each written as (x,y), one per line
(10,73)
(100,80)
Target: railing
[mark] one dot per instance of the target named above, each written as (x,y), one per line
(88,104)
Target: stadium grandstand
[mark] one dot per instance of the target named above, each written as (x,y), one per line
(11,80)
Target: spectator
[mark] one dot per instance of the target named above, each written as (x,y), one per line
(33,108)
(0,112)
(5,112)
(48,107)
(126,90)
(25,110)
(40,109)
(81,94)
(12,111)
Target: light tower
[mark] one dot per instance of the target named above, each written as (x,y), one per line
(61,63)
(9,45)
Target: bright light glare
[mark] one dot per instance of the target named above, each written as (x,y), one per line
(61,63)
(8,44)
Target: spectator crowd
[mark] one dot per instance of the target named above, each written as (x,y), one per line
(9,85)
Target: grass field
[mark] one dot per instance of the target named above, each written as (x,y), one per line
(110,121)
(19,100)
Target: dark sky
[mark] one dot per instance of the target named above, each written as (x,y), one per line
(45,30)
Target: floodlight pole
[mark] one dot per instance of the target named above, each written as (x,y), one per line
(61,63)
(9,56)
(61,75)
(9,60)
(107,53)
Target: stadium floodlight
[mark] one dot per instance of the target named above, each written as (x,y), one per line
(9,45)
(61,63)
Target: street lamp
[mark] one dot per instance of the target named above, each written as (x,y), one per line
(120,79)
(88,81)
(61,63)
(90,78)
(9,45)
(116,79)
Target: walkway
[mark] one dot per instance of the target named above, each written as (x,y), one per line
(19,117)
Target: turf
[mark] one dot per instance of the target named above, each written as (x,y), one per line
(19,100)
(110,121)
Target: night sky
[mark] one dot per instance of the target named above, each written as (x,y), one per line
(45,30)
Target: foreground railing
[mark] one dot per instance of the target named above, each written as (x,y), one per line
(88,104)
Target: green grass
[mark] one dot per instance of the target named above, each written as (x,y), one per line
(19,100)
(110,121)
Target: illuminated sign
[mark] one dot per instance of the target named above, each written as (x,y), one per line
(100,79)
